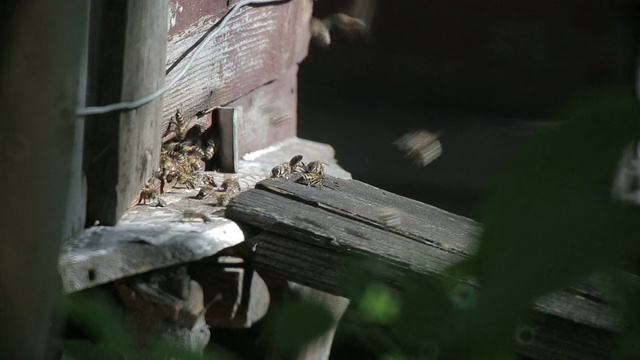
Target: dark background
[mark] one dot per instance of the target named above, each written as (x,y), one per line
(488,74)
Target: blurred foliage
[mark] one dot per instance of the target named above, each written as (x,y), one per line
(550,221)
(108,335)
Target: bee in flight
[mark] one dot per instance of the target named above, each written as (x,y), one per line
(390,217)
(423,147)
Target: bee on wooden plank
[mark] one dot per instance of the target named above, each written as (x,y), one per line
(296,165)
(311,179)
(205,191)
(223,199)
(390,217)
(230,186)
(148,192)
(423,147)
(281,171)
(193,214)
(316,167)
(209,180)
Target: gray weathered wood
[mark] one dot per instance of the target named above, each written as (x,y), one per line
(257,46)
(40,69)
(245,297)
(127,58)
(310,233)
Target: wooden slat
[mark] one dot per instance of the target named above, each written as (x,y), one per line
(42,44)
(257,46)
(309,234)
(126,62)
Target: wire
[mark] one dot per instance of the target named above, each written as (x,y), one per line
(130,105)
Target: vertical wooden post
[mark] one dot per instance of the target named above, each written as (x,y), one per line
(39,78)
(126,62)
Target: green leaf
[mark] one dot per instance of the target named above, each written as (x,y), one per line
(379,304)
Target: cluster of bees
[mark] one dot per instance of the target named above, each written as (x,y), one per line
(182,160)
(311,174)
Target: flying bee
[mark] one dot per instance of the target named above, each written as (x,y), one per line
(320,32)
(209,149)
(281,171)
(311,179)
(180,126)
(193,214)
(423,147)
(230,186)
(390,217)
(205,191)
(316,167)
(147,193)
(296,165)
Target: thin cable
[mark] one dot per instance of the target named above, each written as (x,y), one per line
(130,105)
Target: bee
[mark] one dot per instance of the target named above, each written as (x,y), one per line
(193,214)
(209,149)
(180,126)
(281,171)
(176,155)
(348,24)
(296,165)
(205,191)
(184,177)
(311,179)
(423,147)
(192,149)
(223,199)
(320,32)
(316,167)
(147,193)
(194,163)
(390,217)
(230,186)
(209,180)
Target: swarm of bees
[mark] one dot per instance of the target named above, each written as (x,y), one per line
(182,160)
(311,174)
(423,147)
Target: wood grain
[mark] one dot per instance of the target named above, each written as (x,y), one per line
(309,234)
(126,62)
(256,47)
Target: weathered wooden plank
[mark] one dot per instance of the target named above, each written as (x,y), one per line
(310,234)
(269,113)
(257,46)
(106,253)
(127,58)
(245,297)
(40,69)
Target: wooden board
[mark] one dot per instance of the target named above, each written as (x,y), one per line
(308,234)
(126,62)
(257,46)
(42,44)
(269,113)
